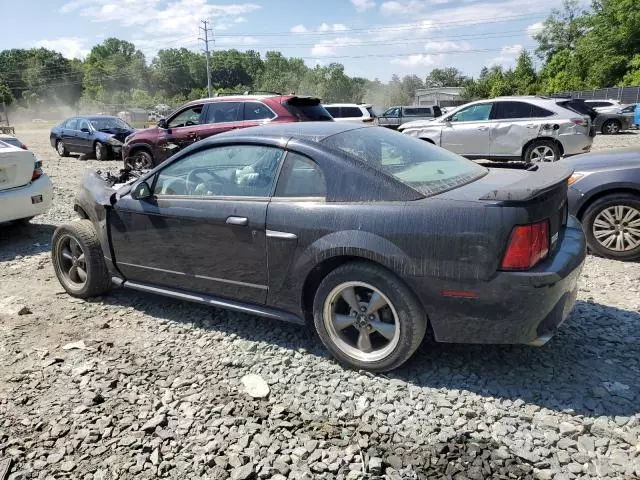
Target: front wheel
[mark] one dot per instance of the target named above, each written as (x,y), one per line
(612,226)
(101,151)
(61,148)
(367,318)
(78,260)
(139,160)
(542,151)
(611,127)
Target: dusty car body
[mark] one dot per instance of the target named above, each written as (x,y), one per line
(371,235)
(533,129)
(100,135)
(396,116)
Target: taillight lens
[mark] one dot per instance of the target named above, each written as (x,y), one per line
(582,122)
(527,246)
(37,171)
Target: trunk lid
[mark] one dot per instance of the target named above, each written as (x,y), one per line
(16,166)
(526,195)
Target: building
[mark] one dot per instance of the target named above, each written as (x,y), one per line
(442,96)
(134,115)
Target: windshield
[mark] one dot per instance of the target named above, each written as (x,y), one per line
(422,166)
(110,123)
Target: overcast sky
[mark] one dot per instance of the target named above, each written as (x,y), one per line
(372,38)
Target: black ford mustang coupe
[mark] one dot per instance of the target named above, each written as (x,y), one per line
(372,235)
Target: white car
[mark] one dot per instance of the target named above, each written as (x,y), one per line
(351,112)
(25,191)
(604,106)
(11,140)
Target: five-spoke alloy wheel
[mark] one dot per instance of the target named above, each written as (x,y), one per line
(367,317)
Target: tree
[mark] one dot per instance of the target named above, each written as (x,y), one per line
(445,77)
(6,96)
(524,75)
(561,30)
(176,71)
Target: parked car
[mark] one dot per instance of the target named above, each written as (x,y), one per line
(210,116)
(604,194)
(374,235)
(99,135)
(603,106)
(605,122)
(25,191)
(12,140)
(629,111)
(351,112)
(396,116)
(533,129)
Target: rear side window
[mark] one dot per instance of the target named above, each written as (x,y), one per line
(599,104)
(512,110)
(418,112)
(300,177)
(333,111)
(351,112)
(223,112)
(12,141)
(72,124)
(257,111)
(307,109)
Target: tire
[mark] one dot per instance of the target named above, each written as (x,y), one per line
(101,151)
(61,149)
(596,219)
(76,246)
(541,151)
(402,317)
(611,127)
(139,160)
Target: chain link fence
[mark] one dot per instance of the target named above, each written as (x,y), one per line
(622,94)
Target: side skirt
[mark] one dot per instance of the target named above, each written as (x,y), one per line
(252,309)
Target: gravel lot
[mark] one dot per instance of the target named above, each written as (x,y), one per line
(138,386)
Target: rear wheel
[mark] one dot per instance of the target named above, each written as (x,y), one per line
(611,127)
(612,226)
(542,151)
(101,151)
(62,149)
(78,260)
(139,160)
(367,317)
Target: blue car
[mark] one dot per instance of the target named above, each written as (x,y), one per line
(101,136)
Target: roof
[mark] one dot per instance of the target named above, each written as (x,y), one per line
(238,97)
(315,131)
(364,105)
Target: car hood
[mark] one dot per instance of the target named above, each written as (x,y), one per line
(417,124)
(117,133)
(618,158)
(150,132)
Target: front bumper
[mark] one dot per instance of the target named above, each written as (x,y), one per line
(511,307)
(30,200)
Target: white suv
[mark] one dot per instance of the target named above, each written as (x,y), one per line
(533,129)
(351,112)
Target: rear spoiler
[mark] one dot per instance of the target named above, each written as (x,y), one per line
(298,100)
(543,178)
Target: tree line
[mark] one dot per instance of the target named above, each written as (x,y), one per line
(578,49)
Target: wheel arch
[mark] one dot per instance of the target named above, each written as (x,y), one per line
(557,142)
(604,193)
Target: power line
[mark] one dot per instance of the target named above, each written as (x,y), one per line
(206,30)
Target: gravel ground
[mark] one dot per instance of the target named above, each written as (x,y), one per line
(136,386)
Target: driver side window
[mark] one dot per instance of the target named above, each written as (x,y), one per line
(392,112)
(239,170)
(186,118)
(474,113)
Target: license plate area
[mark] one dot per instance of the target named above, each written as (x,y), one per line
(36,199)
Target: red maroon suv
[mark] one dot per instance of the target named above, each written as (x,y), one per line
(202,118)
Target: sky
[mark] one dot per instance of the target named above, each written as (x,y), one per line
(371,38)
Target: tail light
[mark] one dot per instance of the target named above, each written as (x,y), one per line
(23,146)
(37,171)
(528,245)
(581,122)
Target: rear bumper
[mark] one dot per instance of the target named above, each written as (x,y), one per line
(27,201)
(575,143)
(512,307)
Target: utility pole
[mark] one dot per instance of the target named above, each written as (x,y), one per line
(206,29)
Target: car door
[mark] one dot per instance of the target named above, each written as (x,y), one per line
(69,134)
(390,118)
(202,229)
(84,136)
(513,125)
(222,116)
(182,130)
(467,131)
(256,113)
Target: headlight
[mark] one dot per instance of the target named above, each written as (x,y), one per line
(114,141)
(577,176)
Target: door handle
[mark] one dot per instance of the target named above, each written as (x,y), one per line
(531,125)
(482,127)
(240,221)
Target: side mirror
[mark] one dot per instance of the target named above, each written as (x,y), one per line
(162,123)
(141,191)
(85,130)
